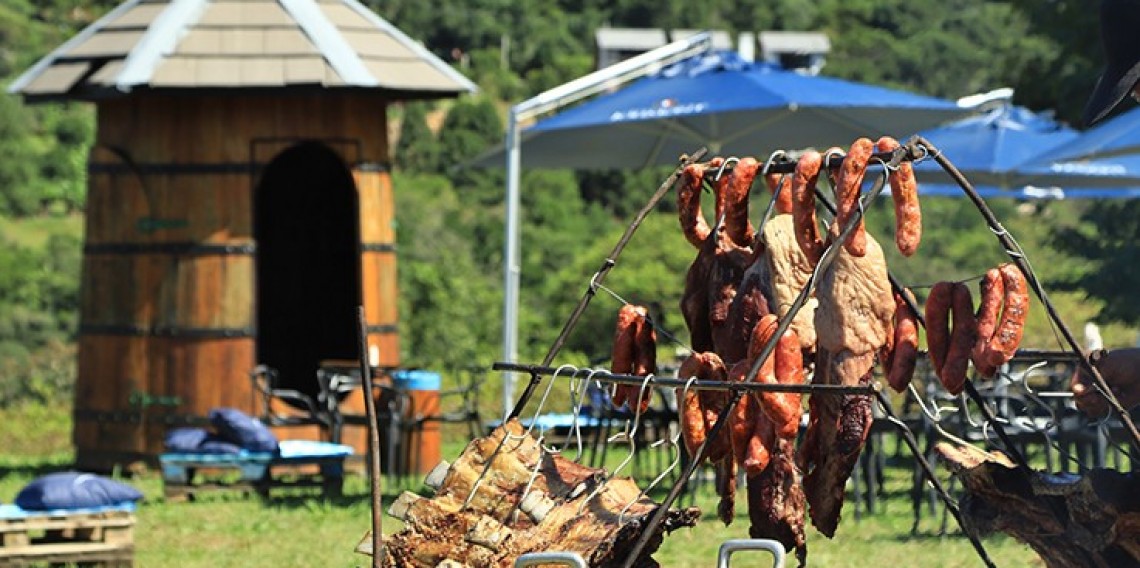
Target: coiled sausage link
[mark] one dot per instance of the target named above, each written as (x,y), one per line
(848,188)
(904,355)
(937,313)
(753,457)
(706,367)
(992,293)
(780,188)
(904,193)
(693,223)
(1007,335)
(736,222)
(962,340)
(804,222)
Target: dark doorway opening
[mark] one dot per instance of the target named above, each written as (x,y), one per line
(308,263)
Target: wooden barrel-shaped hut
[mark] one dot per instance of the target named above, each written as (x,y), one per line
(239,205)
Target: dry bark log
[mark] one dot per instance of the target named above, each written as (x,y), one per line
(567,507)
(1070,520)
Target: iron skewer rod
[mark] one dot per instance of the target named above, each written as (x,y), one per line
(373,441)
(600,276)
(1013,250)
(787,166)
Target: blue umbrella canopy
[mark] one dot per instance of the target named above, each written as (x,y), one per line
(1111,177)
(733,106)
(1012,152)
(1118,136)
(987,147)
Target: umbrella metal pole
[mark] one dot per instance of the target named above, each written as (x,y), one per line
(511,257)
(373,441)
(600,276)
(1013,250)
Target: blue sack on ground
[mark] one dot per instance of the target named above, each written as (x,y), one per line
(185,440)
(242,429)
(74,490)
(214,444)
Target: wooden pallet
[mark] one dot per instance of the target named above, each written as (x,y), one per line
(105,538)
(185,475)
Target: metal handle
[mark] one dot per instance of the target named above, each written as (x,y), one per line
(538,558)
(736,545)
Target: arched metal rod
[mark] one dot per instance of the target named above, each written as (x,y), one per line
(600,276)
(1013,250)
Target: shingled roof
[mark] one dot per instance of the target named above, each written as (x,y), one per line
(238,44)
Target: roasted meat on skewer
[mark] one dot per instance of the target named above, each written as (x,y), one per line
(853,323)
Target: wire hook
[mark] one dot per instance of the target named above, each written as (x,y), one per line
(771,160)
(629,433)
(575,425)
(673,442)
(724,165)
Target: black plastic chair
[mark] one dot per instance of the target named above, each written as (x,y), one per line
(392,415)
(286,407)
(467,393)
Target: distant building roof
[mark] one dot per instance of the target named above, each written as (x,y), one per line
(720,38)
(248,44)
(630,39)
(772,42)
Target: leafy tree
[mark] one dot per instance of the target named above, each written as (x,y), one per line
(18,169)
(448,303)
(417,150)
(1064,79)
(1106,238)
(951,48)
(471,127)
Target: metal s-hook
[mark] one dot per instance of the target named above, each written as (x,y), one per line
(832,152)
(723,166)
(546,394)
(575,427)
(632,429)
(886,166)
(673,442)
(508,436)
(630,435)
(771,160)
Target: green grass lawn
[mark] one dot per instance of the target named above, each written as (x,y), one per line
(299,529)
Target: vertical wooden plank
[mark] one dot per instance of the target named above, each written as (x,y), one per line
(379,289)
